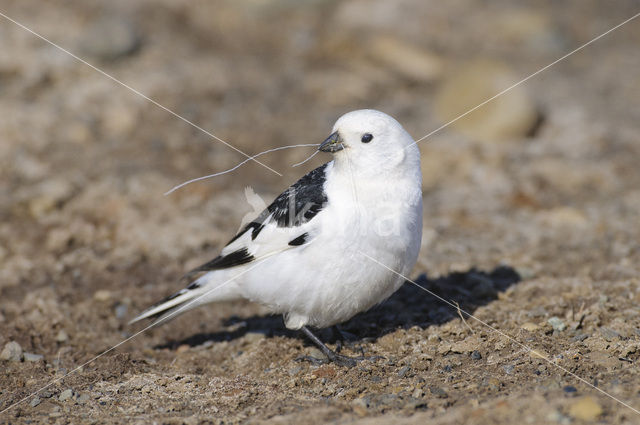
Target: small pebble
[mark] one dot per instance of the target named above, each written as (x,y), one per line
(294,370)
(12,352)
(121,311)
(403,372)
(83,398)
(66,395)
(35,401)
(62,336)
(253,337)
(609,334)
(531,327)
(580,337)
(508,369)
(102,295)
(475,355)
(438,392)
(30,357)
(570,389)
(586,409)
(46,393)
(557,324)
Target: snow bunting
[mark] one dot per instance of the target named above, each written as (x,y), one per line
(303,255)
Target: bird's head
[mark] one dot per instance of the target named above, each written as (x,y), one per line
(369,138)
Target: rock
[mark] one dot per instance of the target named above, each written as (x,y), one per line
(294,370)
(48,393)
(62,336)
(438,392)
(405,59)
(12,352)
(35,401)
(254,337)
(403,372)
(570,389)
(586,409)
(557,324)
(580,337)
(110,38)
(508,369)
(30,357)
(475,355)
(510,116)
(102,295)
(66,395)
(444,349)
(120,311)
(609,334)
(531,327)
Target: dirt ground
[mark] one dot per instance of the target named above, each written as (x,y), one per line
(531,217)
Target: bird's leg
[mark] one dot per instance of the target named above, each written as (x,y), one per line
(337,335)
(331,355)
(334,357)
(346,339)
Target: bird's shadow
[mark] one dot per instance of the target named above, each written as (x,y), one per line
(409,306)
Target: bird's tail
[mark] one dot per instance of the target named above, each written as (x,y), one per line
(202,291)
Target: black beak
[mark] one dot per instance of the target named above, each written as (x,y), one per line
(332,144)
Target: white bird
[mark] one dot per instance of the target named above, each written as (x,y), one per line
(303,256)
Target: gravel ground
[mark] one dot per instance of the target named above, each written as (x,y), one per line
(530,222)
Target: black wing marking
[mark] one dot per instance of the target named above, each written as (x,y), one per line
(299,240)
(302,201)
(295,206)
(236,258)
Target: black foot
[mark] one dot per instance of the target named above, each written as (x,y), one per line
(332,356)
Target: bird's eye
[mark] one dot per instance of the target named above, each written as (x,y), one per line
(366,138)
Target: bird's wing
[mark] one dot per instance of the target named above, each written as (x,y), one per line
(285,224)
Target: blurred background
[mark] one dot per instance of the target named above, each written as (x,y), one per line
(544,179)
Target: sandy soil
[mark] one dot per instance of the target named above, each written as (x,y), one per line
(530,222)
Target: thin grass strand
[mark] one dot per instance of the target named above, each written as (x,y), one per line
(251,158)
(311,156)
